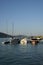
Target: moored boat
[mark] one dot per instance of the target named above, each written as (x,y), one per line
(15,41)
(34,41)
(6,42)
(23,41)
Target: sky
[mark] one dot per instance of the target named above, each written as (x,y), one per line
(24,17)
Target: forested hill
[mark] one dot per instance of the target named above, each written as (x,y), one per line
(4,35)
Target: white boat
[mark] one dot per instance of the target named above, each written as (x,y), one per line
(23,41)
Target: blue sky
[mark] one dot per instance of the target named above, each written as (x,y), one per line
(26,15)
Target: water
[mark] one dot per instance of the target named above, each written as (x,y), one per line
(21,54)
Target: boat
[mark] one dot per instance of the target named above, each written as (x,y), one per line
(23,41)
(6,42)
(15,41)
(34,41)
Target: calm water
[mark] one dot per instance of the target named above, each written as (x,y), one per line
(21,54)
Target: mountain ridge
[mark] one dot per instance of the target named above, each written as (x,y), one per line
(4,35)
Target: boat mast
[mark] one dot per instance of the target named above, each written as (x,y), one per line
(12,29)
(6,26)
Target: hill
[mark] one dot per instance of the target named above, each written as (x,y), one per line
(4,35)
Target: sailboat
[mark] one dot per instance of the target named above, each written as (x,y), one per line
(6,41)
(14,40)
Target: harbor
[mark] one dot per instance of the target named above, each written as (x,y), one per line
(17,54)
(21,32)
(23,40)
